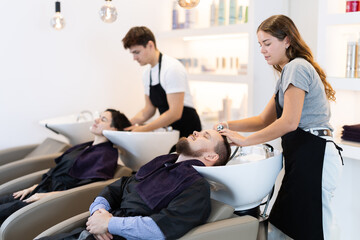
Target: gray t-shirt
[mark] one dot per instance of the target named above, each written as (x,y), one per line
(301,74)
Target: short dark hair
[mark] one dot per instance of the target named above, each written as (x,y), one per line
(223,150)
(138,36)
(119,120)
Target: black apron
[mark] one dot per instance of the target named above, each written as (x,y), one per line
(189,121)
(297,211)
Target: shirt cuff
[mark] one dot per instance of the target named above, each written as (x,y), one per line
(99,203)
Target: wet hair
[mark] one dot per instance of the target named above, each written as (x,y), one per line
(119,120)
(281,26)
(138,36)
(223,150)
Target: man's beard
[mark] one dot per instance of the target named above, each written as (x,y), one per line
(183,147)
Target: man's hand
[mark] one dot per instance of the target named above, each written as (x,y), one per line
(98,223)
(105,236)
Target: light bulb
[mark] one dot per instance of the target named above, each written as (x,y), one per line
(57,21)
(188,4)
(108,12)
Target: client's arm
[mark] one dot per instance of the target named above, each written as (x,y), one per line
(23,193)
(38,196)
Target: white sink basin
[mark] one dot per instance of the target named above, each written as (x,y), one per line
(75,127)
(138,148)
(246,180)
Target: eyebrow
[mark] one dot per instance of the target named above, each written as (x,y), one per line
(207,134)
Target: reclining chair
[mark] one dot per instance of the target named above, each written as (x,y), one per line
(33,219)
(48,146)
(19,161)
(221,224)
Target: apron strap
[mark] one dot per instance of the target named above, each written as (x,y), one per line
(339,150)
(160,59)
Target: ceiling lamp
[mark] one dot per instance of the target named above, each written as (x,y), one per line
(57,21)
(188,4)
(108,12)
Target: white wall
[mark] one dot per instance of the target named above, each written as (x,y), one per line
(47,73)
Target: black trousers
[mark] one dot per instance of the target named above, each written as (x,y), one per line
(9,205)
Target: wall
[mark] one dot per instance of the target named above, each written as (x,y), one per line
(47,73)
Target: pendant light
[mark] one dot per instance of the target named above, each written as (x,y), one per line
(57,21)
(188,4)
(108,12)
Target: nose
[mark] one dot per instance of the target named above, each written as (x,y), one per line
(196,133)
(134,57)
(262,50)
(97,120)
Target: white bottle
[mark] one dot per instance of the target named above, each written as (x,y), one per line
(358,59)
(213,14)
(351,59)
(232,11)
(175,16)
(221,12)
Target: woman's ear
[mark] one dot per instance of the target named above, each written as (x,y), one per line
(211,158)
(287,41)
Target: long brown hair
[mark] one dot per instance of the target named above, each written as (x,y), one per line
(281,26)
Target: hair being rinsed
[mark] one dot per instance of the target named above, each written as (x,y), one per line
(281,26)
(119,120)
(138,36)
(223,150)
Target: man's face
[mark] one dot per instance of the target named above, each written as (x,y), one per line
(141,54)
(198,143)
(102,123)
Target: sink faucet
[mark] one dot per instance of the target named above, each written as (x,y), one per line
(82,115)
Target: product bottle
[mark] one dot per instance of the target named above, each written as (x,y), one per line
(240,14)
(187,18)
(213,14)
(246,14)
(358,59)
(175,16)
(232,11)
(351,59)
(221,12)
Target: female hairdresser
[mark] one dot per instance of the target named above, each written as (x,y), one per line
(299,113)
(166,87)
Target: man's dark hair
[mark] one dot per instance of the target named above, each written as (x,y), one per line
(223,150)
(119,120)
(138,36)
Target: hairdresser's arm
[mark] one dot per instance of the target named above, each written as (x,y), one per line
(256,123)
(289,121)
(176,105)
(145,114)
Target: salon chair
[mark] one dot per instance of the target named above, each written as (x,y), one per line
(48,146)
(33,219)
(221,224)
(26,166)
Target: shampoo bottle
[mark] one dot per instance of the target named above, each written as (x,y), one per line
(232,11)
(213,14)
(175,16)
(221,12)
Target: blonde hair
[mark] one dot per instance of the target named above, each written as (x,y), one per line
(281,26)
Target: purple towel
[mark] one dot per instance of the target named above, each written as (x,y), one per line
(162,179)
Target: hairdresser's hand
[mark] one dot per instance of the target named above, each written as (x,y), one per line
(97,223)
(220,126)
(131,127)
(234,137)
(23,193)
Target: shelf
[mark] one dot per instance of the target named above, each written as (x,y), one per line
(350,84)
(208,77)
(350,149)
(343,18)
(236,30)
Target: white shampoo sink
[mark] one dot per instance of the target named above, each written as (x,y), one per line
(75,127)
(138,148)
(246,180)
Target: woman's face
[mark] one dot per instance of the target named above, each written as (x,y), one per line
(273,49)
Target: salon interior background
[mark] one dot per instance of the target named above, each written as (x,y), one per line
(46,73)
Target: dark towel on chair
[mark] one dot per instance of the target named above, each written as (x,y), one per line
(162,179)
